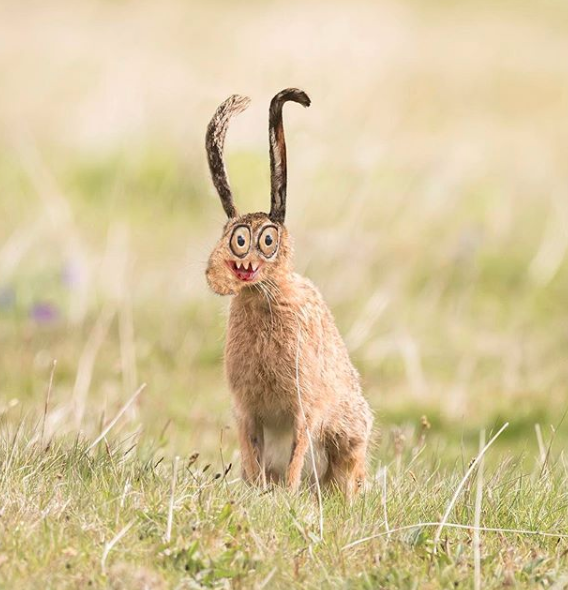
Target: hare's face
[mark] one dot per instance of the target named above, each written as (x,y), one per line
(253,249)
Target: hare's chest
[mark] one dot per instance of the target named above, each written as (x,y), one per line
(257,358)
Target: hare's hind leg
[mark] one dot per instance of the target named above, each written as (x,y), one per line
(347,470)
(348,451)
(356,482)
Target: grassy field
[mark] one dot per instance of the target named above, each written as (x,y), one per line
(428,201)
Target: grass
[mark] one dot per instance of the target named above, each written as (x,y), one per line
(427,201)
(100,518)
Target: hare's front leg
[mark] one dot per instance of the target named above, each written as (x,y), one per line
(298,456)
(251,441)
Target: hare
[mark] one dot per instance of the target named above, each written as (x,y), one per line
(297,397)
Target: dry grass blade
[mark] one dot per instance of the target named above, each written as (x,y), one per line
(267,580)
(455,525)
(477,519)
(47,398)
(384,499)
(113,542)
(171,506)
(462,483)
(311,444)
(117,417)
(541,445)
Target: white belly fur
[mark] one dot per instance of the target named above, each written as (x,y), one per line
(278,450)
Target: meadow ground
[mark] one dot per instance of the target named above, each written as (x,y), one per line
(428,201)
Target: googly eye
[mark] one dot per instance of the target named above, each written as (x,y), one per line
(268,241)
(240,241)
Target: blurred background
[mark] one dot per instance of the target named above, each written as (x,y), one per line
(427,196)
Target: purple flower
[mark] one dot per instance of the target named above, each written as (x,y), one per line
(44,313)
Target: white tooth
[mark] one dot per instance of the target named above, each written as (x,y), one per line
(255,266)
(246,265)
(238,265)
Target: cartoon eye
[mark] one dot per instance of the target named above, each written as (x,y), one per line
(268,241)
(240,241)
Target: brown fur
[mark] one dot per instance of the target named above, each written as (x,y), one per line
(289,370)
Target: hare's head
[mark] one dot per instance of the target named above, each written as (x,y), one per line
(254,247)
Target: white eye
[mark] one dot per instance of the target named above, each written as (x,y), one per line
(268,240)
(240,240)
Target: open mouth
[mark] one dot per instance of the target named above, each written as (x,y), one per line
(244,271)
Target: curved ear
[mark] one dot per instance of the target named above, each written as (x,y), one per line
(214,144)
(278,150)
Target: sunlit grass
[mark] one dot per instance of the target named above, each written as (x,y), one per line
(100,517)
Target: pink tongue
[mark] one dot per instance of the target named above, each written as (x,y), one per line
(244,275)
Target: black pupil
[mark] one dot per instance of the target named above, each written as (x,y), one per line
(268,240)
(240,241)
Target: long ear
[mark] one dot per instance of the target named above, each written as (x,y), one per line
(278,150)
(214,144)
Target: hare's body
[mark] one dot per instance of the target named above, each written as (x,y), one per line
(293,384)
(285,360)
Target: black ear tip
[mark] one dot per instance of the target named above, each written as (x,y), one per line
(292,94)
(301,97)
